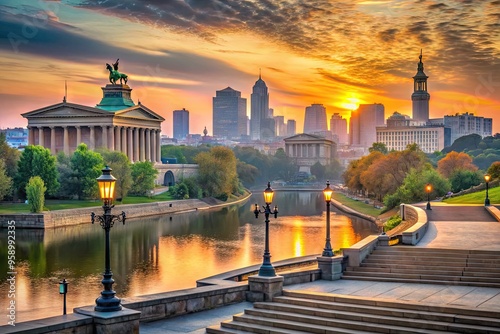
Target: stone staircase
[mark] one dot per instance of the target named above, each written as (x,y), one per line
(427,265)
(306,312)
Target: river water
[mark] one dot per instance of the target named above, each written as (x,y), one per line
(164,253)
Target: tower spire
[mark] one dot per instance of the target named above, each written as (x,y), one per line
(65,91)
(260,73)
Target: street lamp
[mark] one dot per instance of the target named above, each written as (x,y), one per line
(107,301)
(63,290)
(327,192)
(428,189)
(487,179)
(267,269)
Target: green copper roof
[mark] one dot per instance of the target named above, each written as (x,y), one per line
(115,98)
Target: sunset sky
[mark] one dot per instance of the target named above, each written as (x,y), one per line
(177,53)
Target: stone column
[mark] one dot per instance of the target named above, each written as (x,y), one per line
(111,134)
(118,137)
(130,145)
(124,140)
(148,145)
(92,137)
(153,145)
(158,146)
(66,140)
(31,135)
(40,136)
(104,136)
(142,144)
(136,144)
(78,135)
(53,140)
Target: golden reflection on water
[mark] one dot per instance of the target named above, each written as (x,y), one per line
(155,255)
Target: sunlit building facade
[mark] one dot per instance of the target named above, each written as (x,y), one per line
(315,119)
(466,124)
(420,97)
(338,127)
(363,124)
(291,127)
(229,114)
(261,126)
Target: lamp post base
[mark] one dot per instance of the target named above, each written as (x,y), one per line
(267,270)
(487,202)
(428,207)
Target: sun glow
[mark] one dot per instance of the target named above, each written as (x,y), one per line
(351,104)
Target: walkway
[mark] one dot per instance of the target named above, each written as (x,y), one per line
(451,226)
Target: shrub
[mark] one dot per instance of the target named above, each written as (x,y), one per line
(35,192)
(392,222)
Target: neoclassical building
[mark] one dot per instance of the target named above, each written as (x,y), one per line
(116,123)
(307,149)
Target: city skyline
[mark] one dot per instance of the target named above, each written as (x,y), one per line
(336,53)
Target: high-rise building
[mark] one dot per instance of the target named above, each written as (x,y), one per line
(420,97)
(466,124)
(229,114)
(315,119)
(363,124)
(291,127)
(280,126)
(338,127)
(181,123)
(259,111)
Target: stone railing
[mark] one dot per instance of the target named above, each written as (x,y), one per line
(360,250)
(494,212)
(416,232)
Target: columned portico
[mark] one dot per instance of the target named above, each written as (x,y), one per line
(116,123)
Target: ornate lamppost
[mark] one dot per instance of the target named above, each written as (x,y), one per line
(327,192)
(267,269)
(487,179)
(107,301)
(428,189)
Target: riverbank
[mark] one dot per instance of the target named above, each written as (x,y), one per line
(68,217)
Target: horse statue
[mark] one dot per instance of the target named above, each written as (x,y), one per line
(115,75)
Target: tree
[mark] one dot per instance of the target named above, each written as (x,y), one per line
(36,161)
(246,173)
(179,191)
(122,171)
(282,166)
(68,182)
(469,142)
(87,166)
(171,151)
(318,170)
(143,178)
(9,155)
(494,170)
(5,181)
(380,147)
(217,174)
(455,161)
(35,192)
(464,179)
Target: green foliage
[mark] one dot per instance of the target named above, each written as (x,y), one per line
(143,178)
(9,155)
(464,179)
(413,188)
(469,142)
(476,197)
(35,192)
(318,170)
(5,181)
(246,173)
(392,222)
(171,151)
(67,181)
(380,147)
(217,174)
(282,166)
(87,166)
(179,191)
(494,170)
(36,161)
(122,171)
(262,162)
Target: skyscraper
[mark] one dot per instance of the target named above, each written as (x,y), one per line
(259,111)
(181,123)
(420,97)
(291,127)
(229,114)
(338,127)
(280,126)
(363,124)
(315,119)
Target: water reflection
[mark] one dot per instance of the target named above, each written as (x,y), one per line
(162,253)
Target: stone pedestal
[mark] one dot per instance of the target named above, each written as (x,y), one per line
(383,240)
(331,267)
(264,288)
(119,322)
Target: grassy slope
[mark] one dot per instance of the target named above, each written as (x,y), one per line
(357,205)
(477,197)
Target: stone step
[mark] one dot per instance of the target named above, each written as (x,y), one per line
(470,269)
(322,325)
(422,262)
(454,271)
(421,250)
(416,257)
(420,281)
(311,306)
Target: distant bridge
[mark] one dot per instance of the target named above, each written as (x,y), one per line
(169,174)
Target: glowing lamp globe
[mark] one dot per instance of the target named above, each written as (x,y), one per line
(106,184)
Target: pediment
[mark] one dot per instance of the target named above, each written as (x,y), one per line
(139,112)
(304,136)
(65,110)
